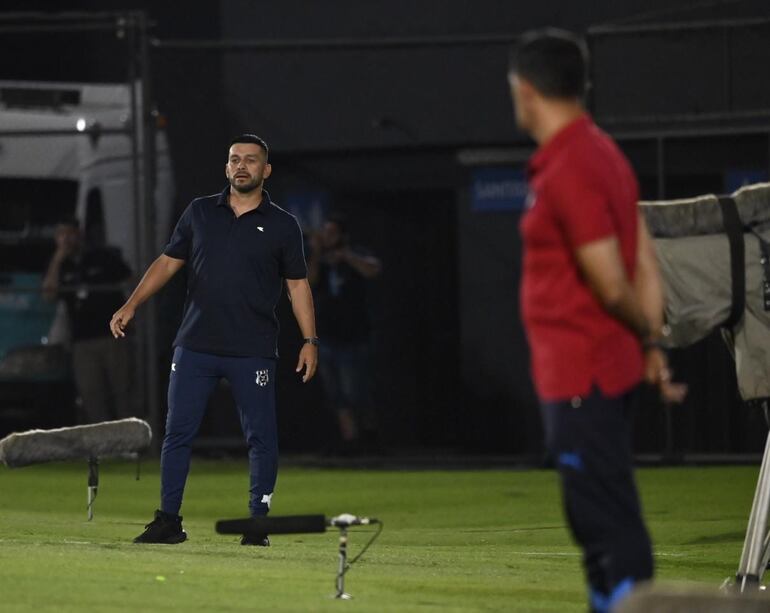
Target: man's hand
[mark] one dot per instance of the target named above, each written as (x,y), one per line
(657,373)
(308,359)
(67,239)
(120,320)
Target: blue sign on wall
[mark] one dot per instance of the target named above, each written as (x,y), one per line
(737,178)
(309,207)
(498,189)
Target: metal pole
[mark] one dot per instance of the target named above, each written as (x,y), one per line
(93,485)
(140,353)
(756,115)
(80,17)
(668,412)
(148,221)
(336,44)
(55,28)
(751,567)
(88,132)
(660,160)
(678,26)
(341,594)
(727,78)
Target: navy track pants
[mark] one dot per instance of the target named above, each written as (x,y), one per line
(194,376)
(589,439)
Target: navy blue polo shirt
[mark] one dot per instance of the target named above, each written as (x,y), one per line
(235,268)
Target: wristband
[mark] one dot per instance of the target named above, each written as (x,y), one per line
(312,340)
(652,342)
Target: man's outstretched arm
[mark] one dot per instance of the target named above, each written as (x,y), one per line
(158,274)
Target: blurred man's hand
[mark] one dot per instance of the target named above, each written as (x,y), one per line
(67,239)
(658,374)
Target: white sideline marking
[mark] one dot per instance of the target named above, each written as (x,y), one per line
(28,542)
(566,554)
(553,554)
(574,554)
(67,542)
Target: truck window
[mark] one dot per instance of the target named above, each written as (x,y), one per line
(94,226)
(30,208)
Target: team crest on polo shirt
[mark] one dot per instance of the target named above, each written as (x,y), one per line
(263,378)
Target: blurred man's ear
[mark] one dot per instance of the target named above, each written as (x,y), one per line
(527,91)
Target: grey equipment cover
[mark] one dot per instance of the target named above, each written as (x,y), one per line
(694,256)
(106,439)
(703,215)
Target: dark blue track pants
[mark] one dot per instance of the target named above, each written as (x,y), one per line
(194,376)
(589,438)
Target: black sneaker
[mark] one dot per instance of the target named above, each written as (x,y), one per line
(165,528)
(260,540)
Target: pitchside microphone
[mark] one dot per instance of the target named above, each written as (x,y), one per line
(303,524)
(346,519)
(291,524)
(288,524)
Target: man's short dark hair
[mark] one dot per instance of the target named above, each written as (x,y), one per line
(254,140)
(554,61)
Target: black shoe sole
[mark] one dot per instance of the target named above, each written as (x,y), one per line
(172,540)
(259,542)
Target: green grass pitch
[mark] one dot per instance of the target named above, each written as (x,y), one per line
(453,540)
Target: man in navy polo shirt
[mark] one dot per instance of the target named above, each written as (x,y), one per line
(239,248)
(592,305)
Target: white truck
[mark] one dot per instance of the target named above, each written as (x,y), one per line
(63,155)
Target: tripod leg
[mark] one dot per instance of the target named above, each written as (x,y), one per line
(93,485)
(340,583)
(765,554)
(754,557)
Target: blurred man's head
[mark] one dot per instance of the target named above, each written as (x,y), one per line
(247,163)
(547,67)
(334,232)
(68,235)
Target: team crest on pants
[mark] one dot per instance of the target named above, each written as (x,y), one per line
(263,378)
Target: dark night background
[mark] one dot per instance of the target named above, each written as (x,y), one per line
(383,132)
